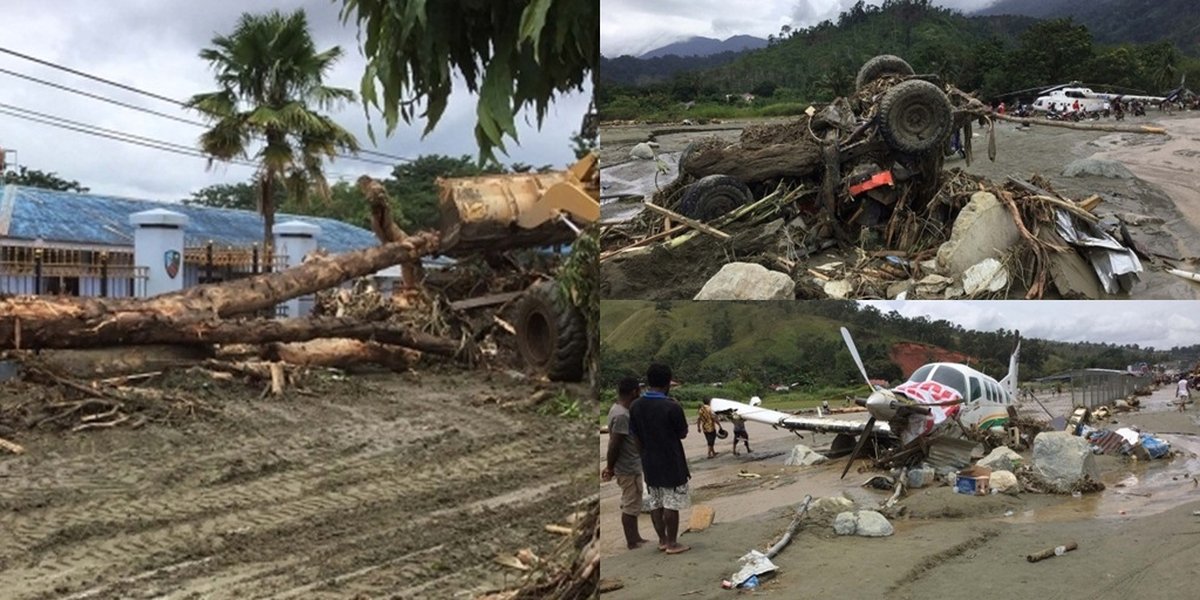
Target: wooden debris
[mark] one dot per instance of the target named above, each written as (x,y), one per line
(12,447)
(559,529)
(694,224)
(1048,552)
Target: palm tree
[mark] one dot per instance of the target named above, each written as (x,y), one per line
(270,77)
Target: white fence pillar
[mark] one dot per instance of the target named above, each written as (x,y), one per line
(294,240)
(158,246)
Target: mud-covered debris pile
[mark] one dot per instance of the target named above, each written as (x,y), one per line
(864,175)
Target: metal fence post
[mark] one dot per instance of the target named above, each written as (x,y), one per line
(103,274)
(208,263)
(254,259)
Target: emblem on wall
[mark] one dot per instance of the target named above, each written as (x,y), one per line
(172,260)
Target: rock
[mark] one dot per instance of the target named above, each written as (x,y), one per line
(747,281)
(900,287)
(845,524)
(803,456)
(919,478)
(1063,459)
(1098,167)
(838,289)
(832,504)
(1001,459)
(954,291)
(1004,482)
(986,275)
(867,523)
(644,151)
(984,229)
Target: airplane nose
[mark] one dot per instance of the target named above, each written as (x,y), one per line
(881,405)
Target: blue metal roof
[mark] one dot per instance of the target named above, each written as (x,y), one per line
(32,213)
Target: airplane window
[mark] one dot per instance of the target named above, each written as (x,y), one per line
(952,378)
(975,391)
(996,392)
(921,374)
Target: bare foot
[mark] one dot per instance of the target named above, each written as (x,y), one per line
(638,544)
(677,549)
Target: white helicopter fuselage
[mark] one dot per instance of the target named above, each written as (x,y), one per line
(1063,100)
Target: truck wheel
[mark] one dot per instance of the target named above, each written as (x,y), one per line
(551,333)
(915,117)
(884,64)
(713,196)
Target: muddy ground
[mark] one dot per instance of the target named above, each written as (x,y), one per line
(1137,539)
(381,485)
(1163,187)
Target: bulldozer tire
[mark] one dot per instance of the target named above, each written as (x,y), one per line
(713,196)
(884,64)
(915,117)
(551,333)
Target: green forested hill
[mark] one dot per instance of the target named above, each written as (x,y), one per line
(790,342)
(990,55)
(1119,21)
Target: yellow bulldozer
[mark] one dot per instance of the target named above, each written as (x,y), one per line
(494,213)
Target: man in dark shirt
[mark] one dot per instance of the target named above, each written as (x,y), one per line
(657,422)
(623,460)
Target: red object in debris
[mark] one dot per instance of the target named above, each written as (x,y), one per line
(879,179)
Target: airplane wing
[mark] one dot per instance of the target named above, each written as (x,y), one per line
(775,418)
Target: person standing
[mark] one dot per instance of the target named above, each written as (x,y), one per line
(658,424)
(1181,393)
(624,461)
(739,432)
(706,423)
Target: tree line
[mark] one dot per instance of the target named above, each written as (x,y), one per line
(991,55)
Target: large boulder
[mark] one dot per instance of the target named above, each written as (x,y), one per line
(803,456)
(1001,459)
(983,229)
(643,151)
(748,281)
(866,523)
(1063,460)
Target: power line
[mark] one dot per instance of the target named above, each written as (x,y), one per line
(180,103)
(156,144)
(72,90)
(195,154)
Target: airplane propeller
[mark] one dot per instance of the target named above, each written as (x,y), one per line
(854,353)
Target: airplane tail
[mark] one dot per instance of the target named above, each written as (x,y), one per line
(1010,381)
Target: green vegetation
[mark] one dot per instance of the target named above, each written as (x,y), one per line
(270,76)
(990,55)
(512,53)
(752,347)
(47,180)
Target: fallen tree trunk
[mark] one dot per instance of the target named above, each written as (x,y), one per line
(142,328)
(1083,126)
(345,353)
(61,322)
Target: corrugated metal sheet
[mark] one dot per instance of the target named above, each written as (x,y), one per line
(93,219)
(1110,442)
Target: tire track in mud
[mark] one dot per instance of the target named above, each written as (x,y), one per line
(175,524)
(933,561)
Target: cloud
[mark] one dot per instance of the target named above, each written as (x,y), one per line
(154,46)
(1161,324)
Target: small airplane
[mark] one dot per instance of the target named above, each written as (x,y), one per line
(936,405)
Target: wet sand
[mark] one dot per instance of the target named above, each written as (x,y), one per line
(1163,187)
(1138,538)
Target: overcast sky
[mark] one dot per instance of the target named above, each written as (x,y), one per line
(153,45)
(1158,323)
(636,26)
